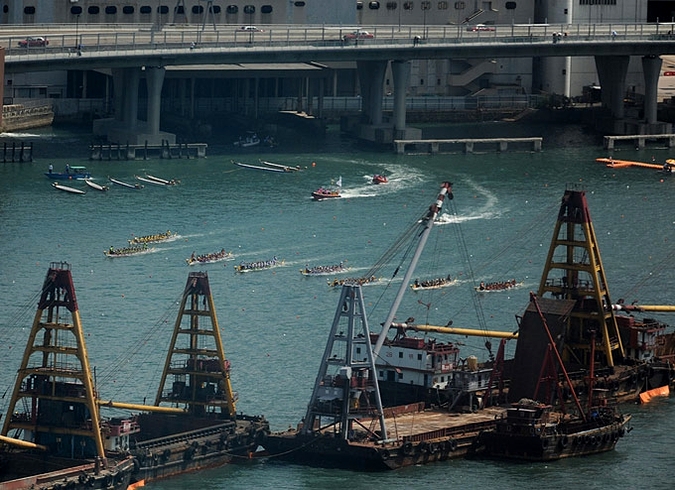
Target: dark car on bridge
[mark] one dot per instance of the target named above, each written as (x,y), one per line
(33,42)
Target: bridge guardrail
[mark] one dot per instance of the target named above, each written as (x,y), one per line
(109,40)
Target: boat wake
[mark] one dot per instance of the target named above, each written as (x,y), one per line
(488,210)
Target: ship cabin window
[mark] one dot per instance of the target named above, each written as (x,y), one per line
(358,350)
(400,355)
(400,375)
(419,357)
(381,374)
(442,379)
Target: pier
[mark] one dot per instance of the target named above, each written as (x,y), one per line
(469,145)
(640,140)
(110,151)
(21,152)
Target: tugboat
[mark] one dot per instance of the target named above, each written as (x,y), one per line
(534,431)
(54,436)
(346,424)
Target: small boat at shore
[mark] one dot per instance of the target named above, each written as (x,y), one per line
(160,180)
(121,183)
(209,258)
(258,167)
(95,185)
(127,251)
(65,188)
(258,265)
(285,168)
(74,172)
(158,237)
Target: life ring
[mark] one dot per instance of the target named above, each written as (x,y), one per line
(563,442)
(433,448)
(408,448)
(386,454)
(423,447)
(452,445)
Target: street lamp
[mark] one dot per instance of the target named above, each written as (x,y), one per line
(425,6)
(77,11)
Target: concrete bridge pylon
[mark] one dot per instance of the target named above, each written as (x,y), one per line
(125,127)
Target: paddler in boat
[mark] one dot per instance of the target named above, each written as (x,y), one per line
(481,286)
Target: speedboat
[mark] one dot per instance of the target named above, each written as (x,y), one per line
(380,179)
(323,193)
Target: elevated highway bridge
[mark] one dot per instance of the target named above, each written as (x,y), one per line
(129,50)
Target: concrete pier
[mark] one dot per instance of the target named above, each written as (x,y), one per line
(434,146)
(640,140)
(108,151)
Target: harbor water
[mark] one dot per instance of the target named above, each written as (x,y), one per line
(274,323)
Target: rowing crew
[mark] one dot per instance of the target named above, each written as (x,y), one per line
(497,286)
(152,238)
(259,265)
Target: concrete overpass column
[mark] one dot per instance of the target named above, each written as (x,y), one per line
(154,80)
(371,79)
(612,74)
(651,67)
(119,89)
(401,73)
(310,102)
(319,103)
(130,112)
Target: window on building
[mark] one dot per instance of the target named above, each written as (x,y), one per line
(299,4)
(266,9)
(359,5)
(180,10)
(408,5)
(76,10)
(163,9)
(249,9)
(358,350)
(111,10)
(93,10)
(421,81)
(29,10)
(5,9)
(128,10)
(197,9)
(419,357)
(400,375)
(392,5)
(442,6)
(145,10)
(214,9)
(374,5)
(232,9)
(400,355)
(425,5)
